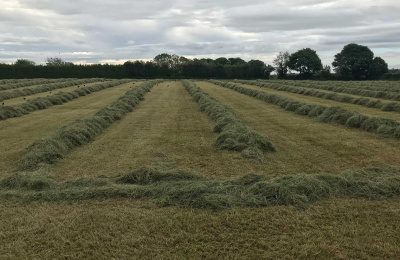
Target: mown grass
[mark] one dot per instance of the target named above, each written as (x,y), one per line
(169,124)
(303,144)
(17,133)
(371,112)
(82,131)
(19,100)
(233,133)
(137,229)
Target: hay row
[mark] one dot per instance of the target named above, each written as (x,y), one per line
(80,132)
(391,86)
(44,88)
(333,115)
(360,91)
(28,82)
(387,107)
(56,99)
(234,134)
(171,187)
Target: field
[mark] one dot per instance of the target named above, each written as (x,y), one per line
(187,169)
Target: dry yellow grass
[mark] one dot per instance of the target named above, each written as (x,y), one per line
(126,229)
(166,123)
(303,144)
(17,133)
(372,112)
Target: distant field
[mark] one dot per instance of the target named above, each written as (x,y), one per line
(157,169)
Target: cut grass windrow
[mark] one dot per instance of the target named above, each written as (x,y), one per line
(50,150)
(44,88)
(56,99)
(360,91)
(171,187)
(29,82)
(391,86)
(387,107)
(234,133)
(334,115)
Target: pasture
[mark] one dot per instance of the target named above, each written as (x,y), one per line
(189,169)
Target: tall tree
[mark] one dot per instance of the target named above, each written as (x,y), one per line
(378,68)
(281,64)
(353,62)
(305,61)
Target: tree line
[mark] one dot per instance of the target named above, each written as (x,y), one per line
(354,62)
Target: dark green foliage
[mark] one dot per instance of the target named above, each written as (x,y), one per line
(82,131)
(56,99)
(234,134)
(335,115)
(177,188)
(305,61)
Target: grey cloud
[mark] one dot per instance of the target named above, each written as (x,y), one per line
(94,31)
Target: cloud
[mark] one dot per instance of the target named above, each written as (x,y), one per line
(115,31)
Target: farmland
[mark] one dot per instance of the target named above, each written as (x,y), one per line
(214,169)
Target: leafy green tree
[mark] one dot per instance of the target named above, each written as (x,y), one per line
(378,68)
(305,61)
(57,62)
(24,63)
(353,62)
(281,64)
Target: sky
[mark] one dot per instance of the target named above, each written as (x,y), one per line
(114,31)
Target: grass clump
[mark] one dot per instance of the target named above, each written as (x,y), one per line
(234,134)
(177,188)
(80,132)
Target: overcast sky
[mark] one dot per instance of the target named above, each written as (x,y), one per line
(113,31)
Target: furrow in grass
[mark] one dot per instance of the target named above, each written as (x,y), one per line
(304,144)
(57,99)
(50,150)
(17,133)
(335,115)
(374,103)
(233,132)
(48,87)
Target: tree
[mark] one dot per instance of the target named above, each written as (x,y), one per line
(378,68)
(281,64)
(305,61)
(24,63)
(57,62)
(353,62)
(222,61)
(236,61)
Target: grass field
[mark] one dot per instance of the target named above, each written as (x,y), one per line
(164,183)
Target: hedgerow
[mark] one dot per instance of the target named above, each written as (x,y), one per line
(56,99)
(80,132)
(179,188)
(234,134)
(44,88)
(393,106)
(335,115)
